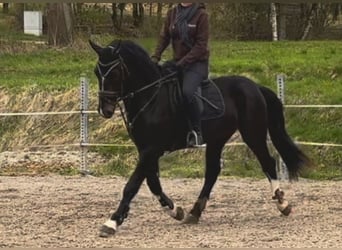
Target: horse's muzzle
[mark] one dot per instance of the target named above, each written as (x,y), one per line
(106,112)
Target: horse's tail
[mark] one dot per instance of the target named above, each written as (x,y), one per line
(293,157)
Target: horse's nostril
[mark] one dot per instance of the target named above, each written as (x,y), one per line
(108,113)
(105,113)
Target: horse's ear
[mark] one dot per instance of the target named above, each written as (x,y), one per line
(95,47)
(118,46)
(115,49)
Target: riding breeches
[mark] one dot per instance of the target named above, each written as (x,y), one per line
(193,75)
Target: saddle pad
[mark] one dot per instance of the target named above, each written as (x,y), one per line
(212,101)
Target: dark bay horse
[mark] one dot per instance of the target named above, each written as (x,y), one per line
(126,73)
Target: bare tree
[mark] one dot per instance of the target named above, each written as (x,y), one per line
(138,14)
(274,22)
(282,14)
(5,7)
(309,22)
(60,24)
(336,11)
(19,14)
(117,19)
(159,11)
(151,9)
(114,15)
(121,7)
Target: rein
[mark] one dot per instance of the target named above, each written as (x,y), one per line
(133,93)
(119,97)
(158,83)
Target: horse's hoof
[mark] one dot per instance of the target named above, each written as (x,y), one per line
(190,219)
(179,214)
(287,210)
(106,232)
(285,207)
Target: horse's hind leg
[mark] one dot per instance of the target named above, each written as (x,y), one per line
(213,169)
(257,143)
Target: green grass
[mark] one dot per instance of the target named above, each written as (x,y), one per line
(313,76)
(48,69)
(309,67)
(313,69)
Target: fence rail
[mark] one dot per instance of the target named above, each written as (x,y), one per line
(83,112)
(95,112)
(47,113)
(311,106)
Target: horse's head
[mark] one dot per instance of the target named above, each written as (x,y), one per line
(110,71)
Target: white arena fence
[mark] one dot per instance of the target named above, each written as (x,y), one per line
(84,144)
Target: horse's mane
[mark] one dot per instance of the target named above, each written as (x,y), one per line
(129,48)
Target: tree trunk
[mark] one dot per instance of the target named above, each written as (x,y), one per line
(141,13)
(151,9)
(309,22)
(274,22)
(121,7)
(69,21)
(5,7)
(336,11)
(159,11)
(138,14)
(60,24)
(135,15)
(282,21)
(19,15)
(115,16)
(77,7)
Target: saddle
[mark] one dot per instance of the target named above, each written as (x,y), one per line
(209,99)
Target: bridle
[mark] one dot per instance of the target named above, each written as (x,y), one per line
(112,65)
(119,62)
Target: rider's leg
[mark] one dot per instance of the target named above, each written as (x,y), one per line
(192,78)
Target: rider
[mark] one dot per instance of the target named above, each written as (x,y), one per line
(187,27)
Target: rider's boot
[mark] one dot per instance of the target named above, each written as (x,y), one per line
(194,138)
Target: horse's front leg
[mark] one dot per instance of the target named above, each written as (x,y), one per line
(213,169)
(132,187)
(153,182)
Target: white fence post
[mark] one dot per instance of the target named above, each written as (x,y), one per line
(84,124)
(282,172)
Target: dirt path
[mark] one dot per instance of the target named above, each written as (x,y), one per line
(56,211)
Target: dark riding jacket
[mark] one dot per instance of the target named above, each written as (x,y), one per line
(198,32)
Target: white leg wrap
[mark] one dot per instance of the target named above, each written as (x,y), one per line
(111,224)
(283,205)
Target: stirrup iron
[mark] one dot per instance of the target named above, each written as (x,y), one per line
(196,145)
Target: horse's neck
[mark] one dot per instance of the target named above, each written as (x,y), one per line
(140,97)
